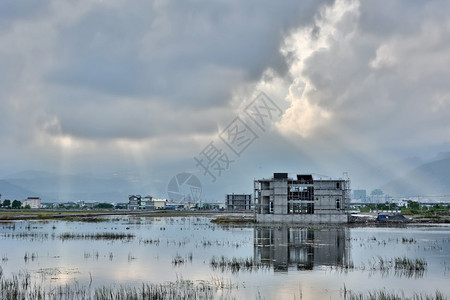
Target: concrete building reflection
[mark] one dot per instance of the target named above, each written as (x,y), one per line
(301,248)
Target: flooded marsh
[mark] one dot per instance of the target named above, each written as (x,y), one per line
(191,256)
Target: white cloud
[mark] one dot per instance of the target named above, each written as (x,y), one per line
(384,58)
(330,28)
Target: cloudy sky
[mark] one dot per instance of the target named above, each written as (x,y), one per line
(145,86)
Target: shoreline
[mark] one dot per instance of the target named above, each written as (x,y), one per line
(17,215)
(225,217)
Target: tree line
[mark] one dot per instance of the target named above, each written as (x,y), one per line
(15,204)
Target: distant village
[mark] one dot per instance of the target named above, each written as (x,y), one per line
(300,198)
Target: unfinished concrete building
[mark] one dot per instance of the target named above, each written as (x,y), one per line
(238,202)
(303,199)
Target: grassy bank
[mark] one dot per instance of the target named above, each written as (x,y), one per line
(91,216)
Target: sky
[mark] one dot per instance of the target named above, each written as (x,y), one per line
(146,87)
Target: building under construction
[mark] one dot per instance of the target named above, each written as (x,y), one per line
(303,199)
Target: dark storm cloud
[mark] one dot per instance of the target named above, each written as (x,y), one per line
(134,119)
(190,53)
(134,71)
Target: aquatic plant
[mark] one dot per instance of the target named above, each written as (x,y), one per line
(181,289)
(131,257)
(389,295)
(21,287)
(235,264)
(404,263)
(177,260)
(96,236)
(150,241)
(409,241)
(31,256)
(403,266)
(39,236)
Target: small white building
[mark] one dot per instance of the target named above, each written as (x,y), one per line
(33,202)
(159,203)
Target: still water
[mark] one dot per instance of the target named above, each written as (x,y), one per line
(282,262)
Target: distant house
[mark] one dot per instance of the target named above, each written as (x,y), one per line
(136,202)
(159,203)
(238,202)
(133,202)
(147,203)
(33,202)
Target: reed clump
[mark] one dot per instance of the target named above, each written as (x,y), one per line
(235,264)
(96,236)
(402,266)
(181,289)
(177,260)
(404,263)
(390,295)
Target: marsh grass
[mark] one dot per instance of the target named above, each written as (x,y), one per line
(404,263)
(96,236)
(177,260)
(33,236)
(182,289)
(402,266)
(39,236)
(131,257)
(86,219)
(33,256)
(21,287)
(236,264)
(386,295)
(155,242)
(234,220)
(408,241)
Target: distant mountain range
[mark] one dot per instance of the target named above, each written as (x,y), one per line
(53,187)
(14,192)
(381,174)
(429,179)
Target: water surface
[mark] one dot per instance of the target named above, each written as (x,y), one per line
(286,262)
